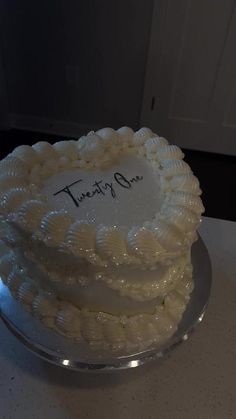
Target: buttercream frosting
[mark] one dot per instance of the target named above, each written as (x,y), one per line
(140,206)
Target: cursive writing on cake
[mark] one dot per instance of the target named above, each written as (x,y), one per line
(98,187)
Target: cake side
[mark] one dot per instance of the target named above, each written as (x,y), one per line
(100,330)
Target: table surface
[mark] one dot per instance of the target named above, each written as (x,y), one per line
(197,380)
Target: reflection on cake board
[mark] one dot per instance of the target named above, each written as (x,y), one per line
(62,351)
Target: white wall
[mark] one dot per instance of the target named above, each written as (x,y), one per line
(75,62)
(191,73)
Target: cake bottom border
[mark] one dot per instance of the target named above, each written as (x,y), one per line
(101,331)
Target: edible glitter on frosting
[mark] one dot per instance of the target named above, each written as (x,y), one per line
(105,223)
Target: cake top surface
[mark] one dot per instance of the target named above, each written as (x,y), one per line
(117,196)
(103,196)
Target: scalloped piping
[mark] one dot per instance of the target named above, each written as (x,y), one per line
(138,291)
(50,160)
(102,331)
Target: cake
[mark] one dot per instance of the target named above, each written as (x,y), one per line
(99,233)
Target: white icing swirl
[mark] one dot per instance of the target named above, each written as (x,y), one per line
(27,154)
(14,280)
(141,136)
(8,182)
(30,214)
(143,243)
(45,151)
(45,305)
(91,329)
(175,305)
(108,135)
(90,147)
(183,218)
(81,239)
(165,323)
(111,243)
(143,327)
(54,226)
(175,167)
(186,183)
(133,329)
(13,199)
(193,202)
(170,152)
(125,135)
(68,320)
(168,235)
(67,149)
(164,140)
(13,166)
(155,143)
(26,292)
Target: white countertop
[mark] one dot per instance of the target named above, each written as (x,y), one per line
(197,380)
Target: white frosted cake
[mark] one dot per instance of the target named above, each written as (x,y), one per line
(100,231)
